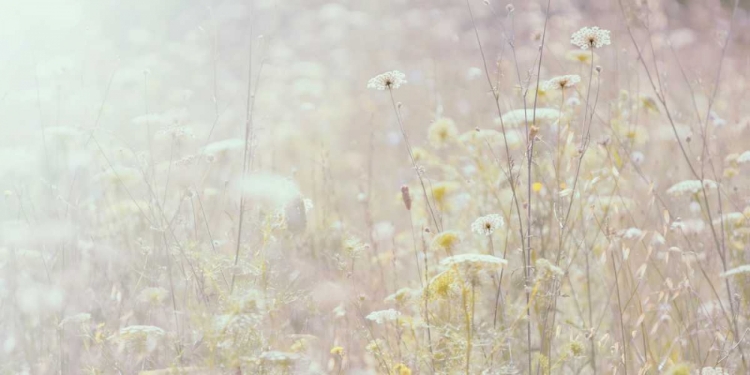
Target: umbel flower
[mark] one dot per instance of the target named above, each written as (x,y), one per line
(487,224)
(387,81)
(561,82)
(590,37)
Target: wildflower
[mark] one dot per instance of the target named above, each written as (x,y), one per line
(745,268)
(382,316)
(679,369)
(691,187)
(592,37)
(536,187)
(153,296)
(221,147)
(402,296)
(337,350)
(576,348)
(278,357)
(473,265)
(446,240)
(562,82)
(387,81)
(579,56)
(518,117)
(487,224)
(714,371)
(441,191)
(442,132)
(743,158)
(546,270)
(353,247)
(632,233)
(139,338)
(406,197)
(402,369)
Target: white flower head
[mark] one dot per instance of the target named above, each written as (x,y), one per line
(561,82)
(592,37)
(518,117)
(474,260)
(690,187)
(487,224)
(387,81)
(382,316)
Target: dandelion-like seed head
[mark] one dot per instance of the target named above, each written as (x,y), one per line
(485,225)
(590,37)
(387,81)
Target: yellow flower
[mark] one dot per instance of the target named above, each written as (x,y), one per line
(442,132)
(537,187)
(402,369)
(446,240)
(580,56)
(441,191)
(337,350)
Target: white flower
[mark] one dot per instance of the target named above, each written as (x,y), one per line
(545,269)
(561,82)
(593,37)
(631,233)
(744,157)
(387,81)
(477,260)
(714,371)
(745,268)
(691,187)
(518,117)
(153,296)
(383,316)
(487,224)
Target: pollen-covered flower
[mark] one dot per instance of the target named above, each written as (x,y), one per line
(590,37)
(691,187)
(562,82)
(442,132)
(487,224)
(383,316)
(387,81)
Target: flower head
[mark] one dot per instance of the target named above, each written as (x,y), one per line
(487,224)
(387,81)
(382,316)
(442,132)
(593,37)
(562,82)
(690,187)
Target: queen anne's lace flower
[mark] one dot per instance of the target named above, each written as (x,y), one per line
(479,260)
(561,82)
(593,37)
(487,224)
(383,316)
(387,81)
(690,187)
(518,117)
